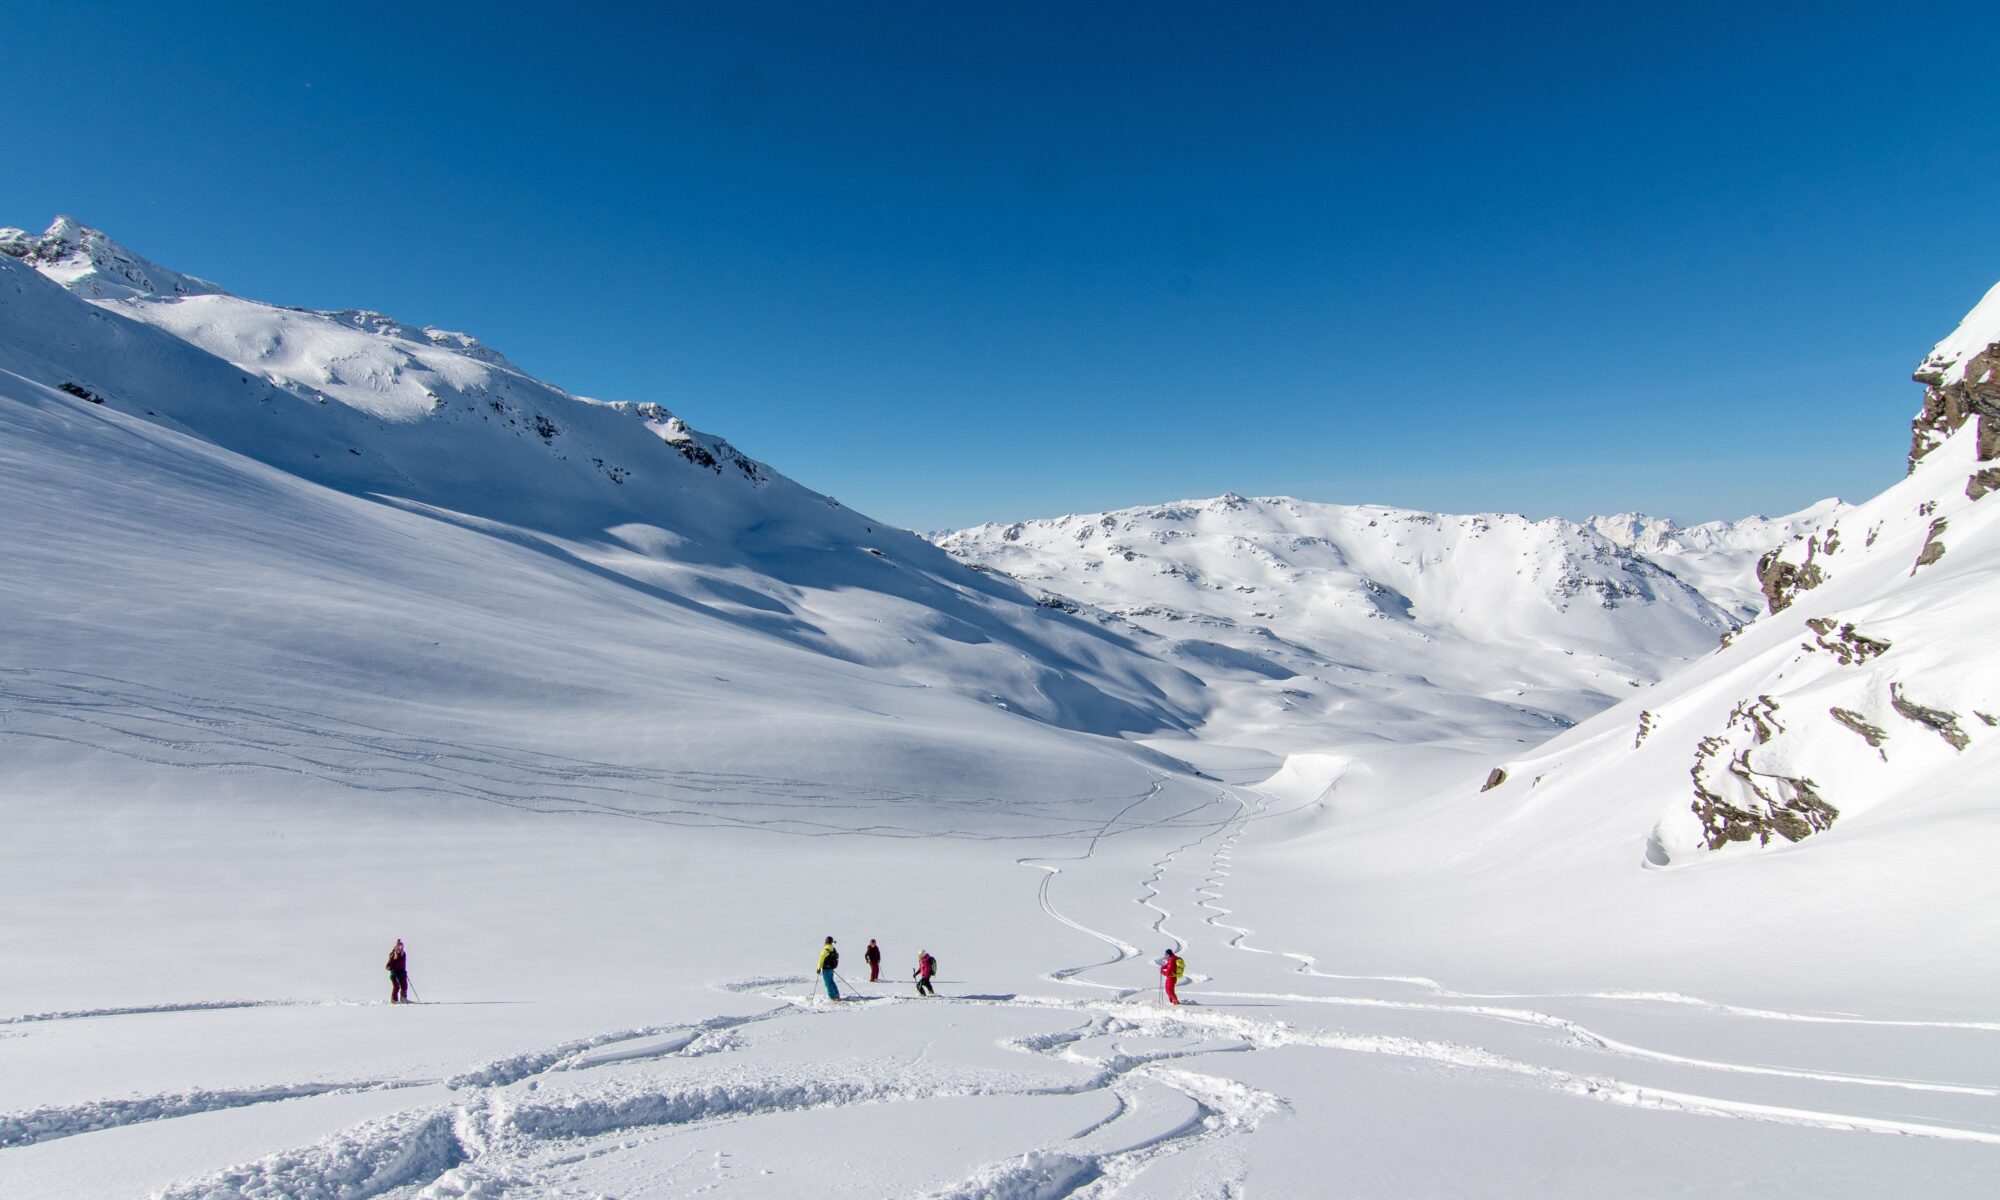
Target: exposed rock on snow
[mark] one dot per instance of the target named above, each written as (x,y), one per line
(1961,378)
(1782,580)
(1738,803)
(1945,723)
(1846,644)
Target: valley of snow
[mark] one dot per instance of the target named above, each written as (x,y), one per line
(320,630)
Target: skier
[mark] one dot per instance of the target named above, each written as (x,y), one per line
(874,956)
(399,975)
(829,961)
(926,967)
(1172,967)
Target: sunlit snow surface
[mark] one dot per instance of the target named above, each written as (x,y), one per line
(614,767)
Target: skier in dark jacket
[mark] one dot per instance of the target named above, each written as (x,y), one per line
(399,975)
(926,967)
(874,956)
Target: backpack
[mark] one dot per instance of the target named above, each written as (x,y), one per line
(832,959)
(1180,968)
(930,960)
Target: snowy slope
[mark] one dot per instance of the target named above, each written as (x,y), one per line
(1354,623)
(434,422)
(1869,689)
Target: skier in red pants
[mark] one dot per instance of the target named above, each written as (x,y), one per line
(1170,974)
(874,956)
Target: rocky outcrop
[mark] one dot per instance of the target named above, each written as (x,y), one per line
(1736,802)
(1954,393)
(1843,641)
(1933,547)
(1870,732)
(1944,724)
(1782,580)
(1961,378)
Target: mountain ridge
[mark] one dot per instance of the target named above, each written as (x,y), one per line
(1318,598)
(377,409)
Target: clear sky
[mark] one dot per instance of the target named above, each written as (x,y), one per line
(954,265)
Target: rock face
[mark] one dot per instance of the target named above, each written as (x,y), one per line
(1961,379)
(1782,581)
(1737,802)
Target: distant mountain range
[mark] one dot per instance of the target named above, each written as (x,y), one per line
(1328,622)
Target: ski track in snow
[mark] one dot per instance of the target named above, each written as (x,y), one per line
(137,1010)
(501,1139)
(1125,949)
(508,1134)
(61,1121)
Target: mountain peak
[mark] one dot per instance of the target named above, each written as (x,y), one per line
(89,263)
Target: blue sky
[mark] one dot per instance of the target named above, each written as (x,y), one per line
(954,266)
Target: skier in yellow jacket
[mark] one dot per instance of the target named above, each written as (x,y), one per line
(829,961)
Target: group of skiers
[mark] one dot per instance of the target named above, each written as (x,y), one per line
(1172,969)
(829,964)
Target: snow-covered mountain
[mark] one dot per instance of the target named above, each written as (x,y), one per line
(1330,622)
(431,423)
